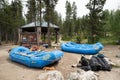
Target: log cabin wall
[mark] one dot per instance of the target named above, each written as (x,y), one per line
(35,35)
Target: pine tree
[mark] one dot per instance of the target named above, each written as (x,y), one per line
(95,7)
(50,6)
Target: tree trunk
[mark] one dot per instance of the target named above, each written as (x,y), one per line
(49,31)
(39,29)
(6,37)
(0,38)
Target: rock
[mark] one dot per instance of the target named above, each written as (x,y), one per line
(83,75)
(51,75)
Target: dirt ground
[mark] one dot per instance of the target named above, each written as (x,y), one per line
(13,71)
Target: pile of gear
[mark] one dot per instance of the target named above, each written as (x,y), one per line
(96,63)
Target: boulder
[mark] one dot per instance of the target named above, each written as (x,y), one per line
(51,75)
(83,75)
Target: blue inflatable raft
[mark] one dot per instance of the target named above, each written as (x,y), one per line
(86,49)
(35,58)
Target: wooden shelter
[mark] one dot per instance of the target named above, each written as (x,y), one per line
(33,33)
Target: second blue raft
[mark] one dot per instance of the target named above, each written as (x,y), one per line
(86,49)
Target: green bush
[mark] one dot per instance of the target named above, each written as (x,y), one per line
(78,39)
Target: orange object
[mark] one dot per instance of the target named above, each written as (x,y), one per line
(49,68)
(34,48)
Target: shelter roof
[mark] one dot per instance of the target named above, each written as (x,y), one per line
(37,24)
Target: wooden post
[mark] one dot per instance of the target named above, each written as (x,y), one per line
(56,36)
(19,35)
(38,35)
(44,35)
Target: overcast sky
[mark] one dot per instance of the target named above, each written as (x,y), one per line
(81,9)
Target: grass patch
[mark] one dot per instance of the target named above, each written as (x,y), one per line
(108,40)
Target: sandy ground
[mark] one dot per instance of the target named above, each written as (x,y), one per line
(13,71)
